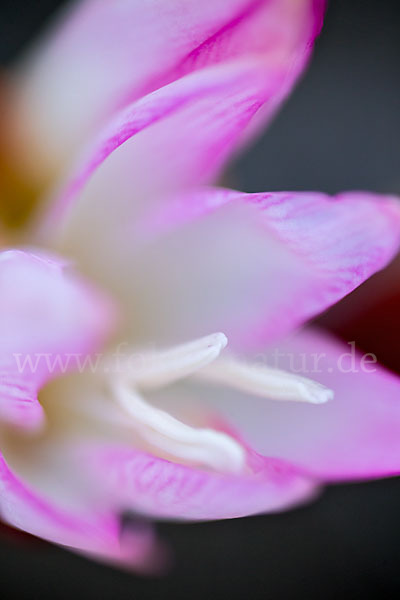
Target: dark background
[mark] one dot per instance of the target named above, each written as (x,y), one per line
(340,130)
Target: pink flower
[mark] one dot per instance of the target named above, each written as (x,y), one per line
(141,405)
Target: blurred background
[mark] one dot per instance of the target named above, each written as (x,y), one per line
(339,130)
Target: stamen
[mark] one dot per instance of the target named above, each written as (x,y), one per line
(207,447)
(202,446)
(265,381)
(157,369)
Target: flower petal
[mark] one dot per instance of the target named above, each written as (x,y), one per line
(160,488)
(49,321)
(171,139)
(354,436)
(107,470)
(104,55)
(252,266)
(96,535)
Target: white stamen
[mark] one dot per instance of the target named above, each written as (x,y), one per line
(207,447)
(157,369)
(265,381)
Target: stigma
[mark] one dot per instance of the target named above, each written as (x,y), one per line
(201,360)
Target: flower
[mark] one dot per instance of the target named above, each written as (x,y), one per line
(117,390)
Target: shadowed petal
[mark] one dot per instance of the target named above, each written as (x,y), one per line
(49,321)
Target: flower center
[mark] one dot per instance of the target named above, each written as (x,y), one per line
(129,377)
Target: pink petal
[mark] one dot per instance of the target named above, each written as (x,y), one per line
(354,436)
(104,55)
(157,487)
(49,320)
(178,136)
(252,266)
(94,534)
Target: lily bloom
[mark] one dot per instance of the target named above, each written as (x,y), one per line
(154,357)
